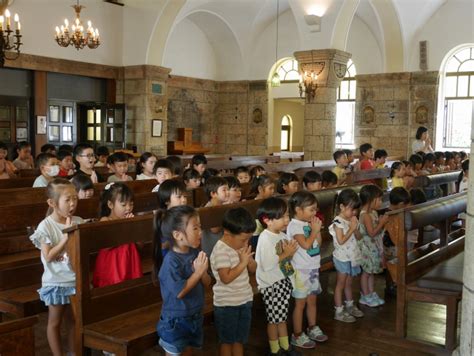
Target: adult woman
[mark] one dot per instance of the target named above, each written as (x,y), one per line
(422,142)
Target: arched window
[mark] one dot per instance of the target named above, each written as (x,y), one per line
(285,133)
(288,71)
(458,99)
(345,109)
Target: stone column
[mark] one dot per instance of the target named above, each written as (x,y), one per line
(467,318)
(320,113)
(143,89)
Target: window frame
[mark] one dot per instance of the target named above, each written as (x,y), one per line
(349,78)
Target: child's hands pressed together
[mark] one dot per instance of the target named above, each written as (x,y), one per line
(290,247)
(316,224)
(129,215)
(245,255)
(383,219)
(354,223)
(201,263)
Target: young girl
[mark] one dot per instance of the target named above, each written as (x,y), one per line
(145,166)
(305,228)
(235,190)
(346,255)
(7,168)
(397,173)
(273,257)
(182,275)
(371,245)
(262,187)
(257,171)
(288,183)
(59,280)
(172,193)
(117,264)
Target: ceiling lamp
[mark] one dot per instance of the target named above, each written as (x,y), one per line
(275,82)
(76,37)
(308,78)
(10,38)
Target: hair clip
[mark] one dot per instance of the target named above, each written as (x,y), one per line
(107,187)
(263,217)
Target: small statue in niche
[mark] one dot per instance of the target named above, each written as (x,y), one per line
(368,116)
(257,116)
(421,116)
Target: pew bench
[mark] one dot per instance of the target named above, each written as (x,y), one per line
(17,337)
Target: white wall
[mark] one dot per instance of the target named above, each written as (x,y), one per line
(189,53)
(450,26)
(40,17)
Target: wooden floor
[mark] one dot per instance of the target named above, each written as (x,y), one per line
(426,321)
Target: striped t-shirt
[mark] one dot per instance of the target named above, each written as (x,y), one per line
(238,291)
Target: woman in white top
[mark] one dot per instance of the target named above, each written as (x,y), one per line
(422,142)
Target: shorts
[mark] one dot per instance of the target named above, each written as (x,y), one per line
(56,295)
(277,299)
(178,333)
(233,323)
(305,282)
(346,267)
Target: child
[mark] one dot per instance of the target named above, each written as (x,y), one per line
(210,172)
(231,262)
(262,187)
(162,171)
(182,275)
(177,165)
(305,229)
(235,190)
(428,164)
(366,157)
(145,166)
(329,180)
(191,178)
(49,169)
(24,159)
(288,183)
(257,171)
(397,174)
(273,257)
(59,280)
(118,163)
(242,174)
(439,163)
(121,263)
(48,148)
(371,228)
(341,160)
(172,193)
(103,154)
(380,157)
(464,183)
(132,163)
(449,161)
(7,168)
(66,165)
(84,186)
(346,255)
(416,163)
(199,162)
(84,156)
(312,181)
(350,159)
(68,148)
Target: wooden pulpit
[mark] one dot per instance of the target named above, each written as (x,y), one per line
(185,145)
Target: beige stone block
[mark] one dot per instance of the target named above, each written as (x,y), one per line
(256,140)
(256,150)
(236,139)
(314,143)
(325,95)
(314,111)
(308,125)
(330,112)
(236,149)
(391,131)
(401,93)
(135,100)
(235,129)
(137,86)
(324,127)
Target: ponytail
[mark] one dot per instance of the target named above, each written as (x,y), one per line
(113,192)
(395,167)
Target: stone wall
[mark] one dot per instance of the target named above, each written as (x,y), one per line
(387,106)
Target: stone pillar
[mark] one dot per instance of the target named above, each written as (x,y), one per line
(320,113)
(143,89)
(467,318)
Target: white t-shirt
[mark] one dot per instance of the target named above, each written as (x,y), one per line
(40,181)
(349,251)
(156,188)
(237,292)
(143,176)
(419,146)
(303,259)
(59,271)
(268,267)
(464,185)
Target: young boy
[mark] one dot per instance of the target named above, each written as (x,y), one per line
(49,169)
(177,165)
(66,165)
(162,171)
(231,262)
(118,163)
(312,181)
(340,157)
(380,157)
(103,154)
(24,159)
(350,159)
(48,148)
(7,169)
(242,174)
(84,155)
(366,156)
(235,190)
(84,186)
(191,178)
(199,162)
(329,180)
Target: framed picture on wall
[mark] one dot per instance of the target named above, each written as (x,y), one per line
(41,125)
(157,128)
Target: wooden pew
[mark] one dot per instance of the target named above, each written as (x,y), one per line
(414,275)
(17,182)
(437,179)
(17,337)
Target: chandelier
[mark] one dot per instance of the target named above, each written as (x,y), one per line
(76,36)
(308,78)
(10,38)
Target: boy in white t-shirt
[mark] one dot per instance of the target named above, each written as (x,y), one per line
(231,262)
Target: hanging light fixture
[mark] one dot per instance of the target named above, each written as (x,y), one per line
(308,78)
(76,37)
(275,82)
(10,37)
